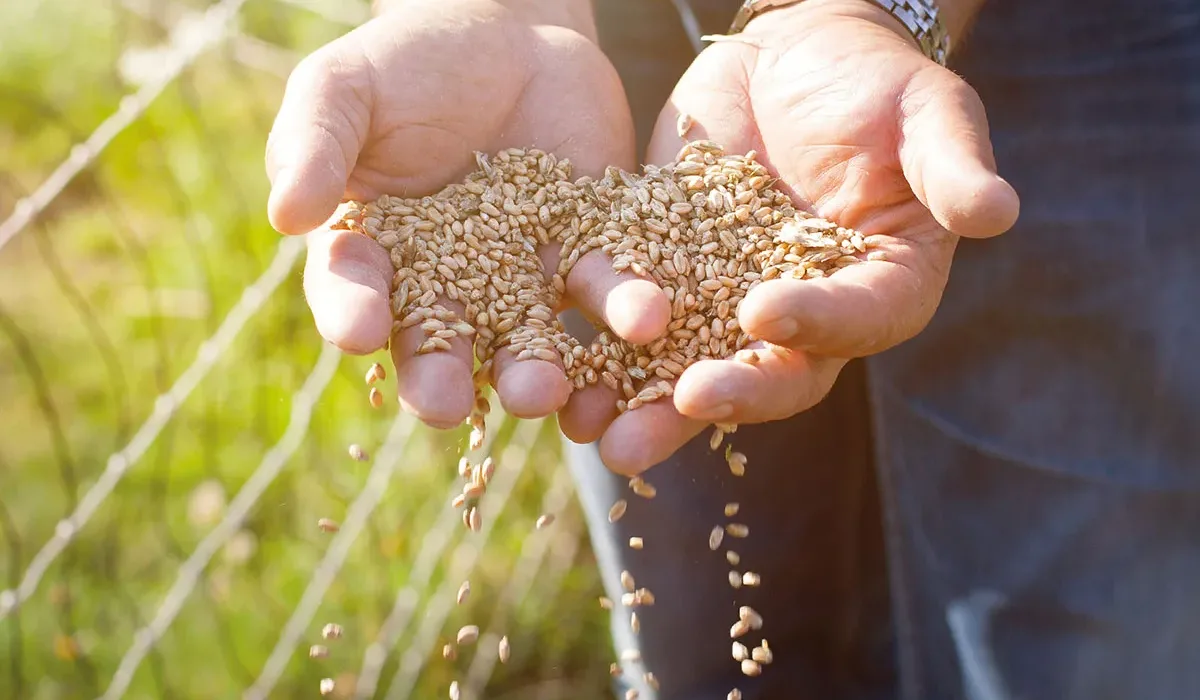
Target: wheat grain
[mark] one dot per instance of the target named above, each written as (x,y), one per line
(467,635)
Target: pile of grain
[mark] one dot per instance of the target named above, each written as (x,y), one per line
(706,229)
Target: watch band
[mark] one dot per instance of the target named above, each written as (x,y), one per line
(920,17)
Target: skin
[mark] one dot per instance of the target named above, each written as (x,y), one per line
(838,100)
(833,94)
(399,106)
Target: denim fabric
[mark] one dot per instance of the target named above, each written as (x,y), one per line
(1037,447)
(1039,443)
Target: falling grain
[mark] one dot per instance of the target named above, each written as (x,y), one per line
(715,537)
(617,511)
(627,582)
(467,635)
(740,651)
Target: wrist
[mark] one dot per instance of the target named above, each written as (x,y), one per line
(931,26)
(801,18)
(575,15)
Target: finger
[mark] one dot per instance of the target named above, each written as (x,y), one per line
(779,384)
(588,413)
(529,388)
(436,387)
(347,282)
(315,140)
(947,156)
(860,310)
(640,439)
(635,308)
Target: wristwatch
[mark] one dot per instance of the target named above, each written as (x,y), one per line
(920,17)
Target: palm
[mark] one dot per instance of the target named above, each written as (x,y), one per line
(399,107)
(863,130)
(483,86)
(824,117)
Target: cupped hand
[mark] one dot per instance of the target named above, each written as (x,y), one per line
(399,106)
(864,130)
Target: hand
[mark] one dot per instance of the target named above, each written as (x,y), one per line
(399,106)
(837,99)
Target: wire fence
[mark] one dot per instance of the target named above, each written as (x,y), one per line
(156,356)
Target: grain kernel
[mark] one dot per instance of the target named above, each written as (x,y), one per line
(715,537)
(468,635)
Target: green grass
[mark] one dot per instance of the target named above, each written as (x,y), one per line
(105,300)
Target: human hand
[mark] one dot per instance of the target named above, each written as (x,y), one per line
(399,106)
(836,99)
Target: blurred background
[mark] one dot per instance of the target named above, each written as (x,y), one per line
(172,427)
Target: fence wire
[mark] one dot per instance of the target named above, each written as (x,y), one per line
(156,355)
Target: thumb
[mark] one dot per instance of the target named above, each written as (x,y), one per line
(947,156)
(315,140)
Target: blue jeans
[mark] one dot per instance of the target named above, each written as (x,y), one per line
(1007,506)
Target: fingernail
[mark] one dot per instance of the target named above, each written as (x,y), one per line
(717,412)
(778,331)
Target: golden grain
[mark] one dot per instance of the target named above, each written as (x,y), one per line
(468,635)
(617,511)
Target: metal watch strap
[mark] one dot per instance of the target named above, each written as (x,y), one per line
(919,17)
